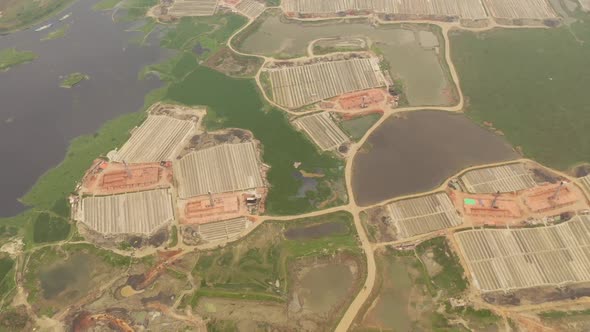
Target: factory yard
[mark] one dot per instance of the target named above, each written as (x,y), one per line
(108,178)
(209,208)
(222,168)
(295,84)
(505,178)
(520,9)
(134,213)
(508,259)
(158,138)
(250,8)
(322,130)
(181,8)
(466,9)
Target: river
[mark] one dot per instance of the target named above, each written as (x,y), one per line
(38,119)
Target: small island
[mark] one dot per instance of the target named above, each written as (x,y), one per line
(73,79)
(58,33)
(11,57)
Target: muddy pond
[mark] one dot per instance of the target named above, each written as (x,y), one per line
(73,274)
(325,286)
(418,151)
(38,118)
(412,54)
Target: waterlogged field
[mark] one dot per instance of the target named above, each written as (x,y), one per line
(412,52)
(309,267)
(412,287)
(11,57)
(57,277)
(540,101)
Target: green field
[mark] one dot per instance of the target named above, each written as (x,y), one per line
(11,57)
(451,278)
(49,228)
(18,14)
(249,268)
(532,85)
(6,276)
(73,79)
(357,127)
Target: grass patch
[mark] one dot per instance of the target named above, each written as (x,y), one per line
(6,276)
(538,102)
(73,79)
(202,35)
(357,127)
(451,278)
(553,314)
(173,237)
(11,57)
(49,228)
(250,268)
(57,33)
(18,14)
(105,4)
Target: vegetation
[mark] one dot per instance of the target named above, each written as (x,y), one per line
(451,278)
(73,79)
(549,315)
(357,127)
(49,228)
(236,103)
(57,33)
(6,276)
(250,268)
(136,9)
(106,4)
(173,237)
(203,35)
(11,57)
(18,14)
(405,301)
(273,3)
(13,319)
(539,103)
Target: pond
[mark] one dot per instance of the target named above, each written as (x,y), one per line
(418,151)
(412,53)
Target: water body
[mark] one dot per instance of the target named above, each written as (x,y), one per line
(73,274)
(419,151)
(412,54)
(325,286)
(38,118)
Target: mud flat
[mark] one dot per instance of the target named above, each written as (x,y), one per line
(418,151)
(413,55)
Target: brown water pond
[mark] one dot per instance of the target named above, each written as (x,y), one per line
(417,151)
